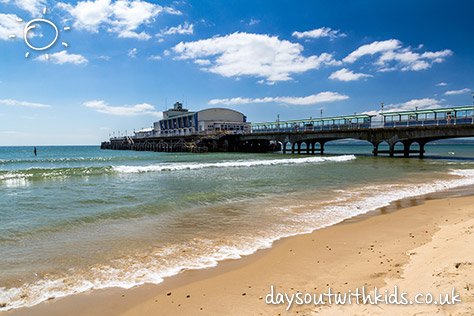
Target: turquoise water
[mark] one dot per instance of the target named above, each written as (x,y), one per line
(75,219)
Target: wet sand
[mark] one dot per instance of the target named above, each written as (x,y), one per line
(423,248)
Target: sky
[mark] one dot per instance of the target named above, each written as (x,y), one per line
(116,65)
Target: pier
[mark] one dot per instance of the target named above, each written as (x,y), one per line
(402,133)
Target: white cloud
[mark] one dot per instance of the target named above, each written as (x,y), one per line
(393,56)
(154,57)
(373,48)
(34,7)
(411,105)
(345,74)
(122,17)
(202,62)
(63,57)
(132,53)
(24,103)
(253,22)
(126,110)
(89,15)
(9,25)
(441,84)
(453,92)
(321,97)
(182,29)
(257,55)
(321,32)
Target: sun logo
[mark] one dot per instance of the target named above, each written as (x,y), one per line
(31,25)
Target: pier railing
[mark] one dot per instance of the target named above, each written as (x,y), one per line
(427,117)
(453,121)
(311,128)
(392,124)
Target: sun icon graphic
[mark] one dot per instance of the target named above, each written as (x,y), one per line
(32,24)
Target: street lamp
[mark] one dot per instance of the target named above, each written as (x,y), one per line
(321,110)
(473,108)
(382,107)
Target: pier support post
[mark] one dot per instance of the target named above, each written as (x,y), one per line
(308,145)
(406,149)
(375,151)
(284,147)
(299,147)
(422,149)
(293,148)
(391,149)
(322,147)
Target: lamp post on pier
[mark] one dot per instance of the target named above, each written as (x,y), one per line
(473,108)
(472,122)
(383,117)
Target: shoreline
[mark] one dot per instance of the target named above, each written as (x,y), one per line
(143,299)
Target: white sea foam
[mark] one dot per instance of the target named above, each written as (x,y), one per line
(14,180)
(202,253)
(230,164)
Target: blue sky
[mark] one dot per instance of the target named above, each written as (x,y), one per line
(126,59)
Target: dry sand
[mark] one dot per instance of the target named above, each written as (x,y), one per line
(421,249)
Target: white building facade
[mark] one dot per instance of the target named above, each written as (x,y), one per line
(180,122)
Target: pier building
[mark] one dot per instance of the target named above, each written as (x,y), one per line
(182,122)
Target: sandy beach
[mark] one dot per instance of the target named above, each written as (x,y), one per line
(421,249)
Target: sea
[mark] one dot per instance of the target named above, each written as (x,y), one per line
(75,219)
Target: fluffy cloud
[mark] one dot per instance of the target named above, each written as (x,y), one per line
(441,84)
(321,97)
(63,57)
(372,49)
(183,29)
(393,56)
(202,62)
(345,74)
(34,7)
(10,25)
(415,103)
(453,92)
(321,32)
(126,110)
(24,103)
(410,106)
(122,17)
(257,55)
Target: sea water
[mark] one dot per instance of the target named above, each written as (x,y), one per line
(75,219)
